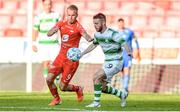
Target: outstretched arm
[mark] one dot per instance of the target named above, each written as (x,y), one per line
(89,49)
(136,51)
(136,42)
(52,31)
(87,36)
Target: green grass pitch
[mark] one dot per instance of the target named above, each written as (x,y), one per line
(19,101)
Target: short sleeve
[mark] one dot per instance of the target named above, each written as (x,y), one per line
(95,41)
(80,28)
(59,24)
(36,23)
(117,37)
(132,33)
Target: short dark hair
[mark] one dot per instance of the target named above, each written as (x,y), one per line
(120,19)
(73,7)
(100,16)
(43,0)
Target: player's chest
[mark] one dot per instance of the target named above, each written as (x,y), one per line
(69,30)
(69,33)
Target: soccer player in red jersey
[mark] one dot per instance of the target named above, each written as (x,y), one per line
(71,32)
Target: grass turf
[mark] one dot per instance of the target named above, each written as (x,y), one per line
(19,101)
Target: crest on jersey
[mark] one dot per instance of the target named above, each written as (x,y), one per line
(65,38)
(109,65)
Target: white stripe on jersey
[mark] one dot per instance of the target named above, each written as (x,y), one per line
(43,22)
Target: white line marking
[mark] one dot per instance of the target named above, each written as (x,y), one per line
(44,108)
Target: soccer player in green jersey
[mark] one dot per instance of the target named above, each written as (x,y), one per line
(46,47)
(111,43)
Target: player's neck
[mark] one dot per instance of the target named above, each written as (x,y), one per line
(104,29)
(121,29)
(72,23)
(48,11)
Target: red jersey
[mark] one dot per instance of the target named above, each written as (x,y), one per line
(70,34)
(70,37)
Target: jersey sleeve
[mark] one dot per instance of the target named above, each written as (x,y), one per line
(81,29)
(118,38)
(95,41)
(131,33)
(58,24)
(36,23)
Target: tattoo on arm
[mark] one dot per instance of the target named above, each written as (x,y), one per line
(87,37)
(52,31)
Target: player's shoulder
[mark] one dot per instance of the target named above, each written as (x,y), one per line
(63,21)
(39,14)
(78,24)
(128,30)
(96,34)
(54,13)
(114,32)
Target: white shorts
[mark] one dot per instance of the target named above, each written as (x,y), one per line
(111,68)
(48,51)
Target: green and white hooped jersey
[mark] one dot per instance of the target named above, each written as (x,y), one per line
(111,43)
(43,23)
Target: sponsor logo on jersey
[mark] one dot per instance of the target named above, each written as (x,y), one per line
(65,38)
(109,65)
(71,31)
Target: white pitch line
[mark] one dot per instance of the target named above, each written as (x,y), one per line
(44,108)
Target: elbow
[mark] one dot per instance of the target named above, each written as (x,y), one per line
(48,34)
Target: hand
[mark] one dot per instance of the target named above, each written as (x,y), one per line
(137,55)
(130,54)
(34,48)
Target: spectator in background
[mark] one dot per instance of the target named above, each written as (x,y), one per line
(128,36)
(42,44)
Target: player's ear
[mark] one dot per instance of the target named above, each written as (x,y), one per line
(104,22)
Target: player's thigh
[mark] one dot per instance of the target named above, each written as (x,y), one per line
(111,68)
(69,69)
(127,63)
(56,67)
(99,76)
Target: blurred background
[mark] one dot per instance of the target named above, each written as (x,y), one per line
(156,24)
